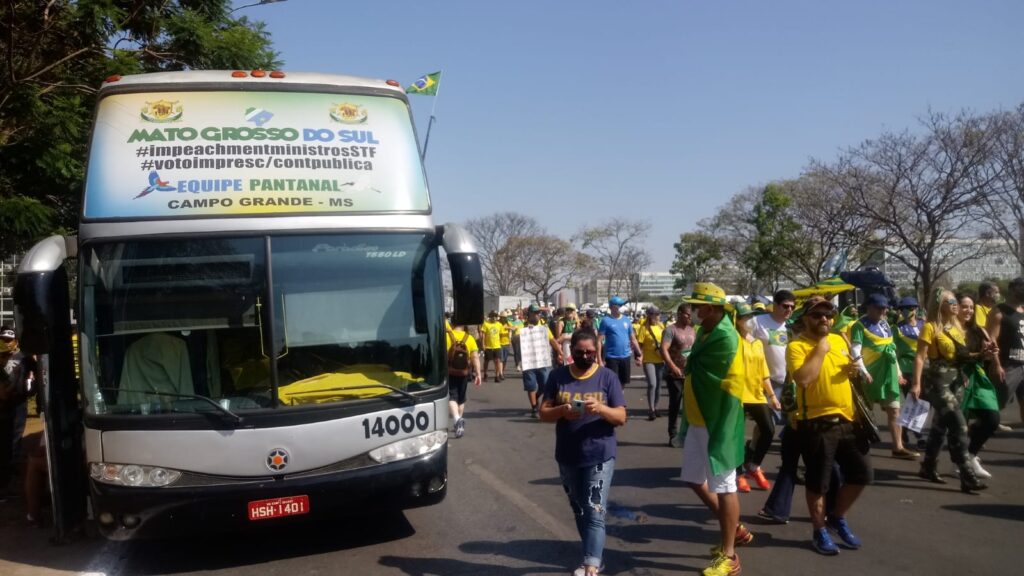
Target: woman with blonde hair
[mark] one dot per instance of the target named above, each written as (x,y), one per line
(938,378)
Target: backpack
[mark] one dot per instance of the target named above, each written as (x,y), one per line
(458,356)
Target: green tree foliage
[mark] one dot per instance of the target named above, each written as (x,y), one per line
(56,54)
(776,236)
(699,257)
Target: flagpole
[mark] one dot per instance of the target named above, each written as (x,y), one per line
(430,123)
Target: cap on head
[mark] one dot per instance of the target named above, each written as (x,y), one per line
(616,301)
(706,293)
(743,309)
(6,333)
(907,302)
(533,309)
(815,302)
(570,306)
(878,300)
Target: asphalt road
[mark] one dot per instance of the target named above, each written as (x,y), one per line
(506,515)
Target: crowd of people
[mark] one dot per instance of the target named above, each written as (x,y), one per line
(801,365)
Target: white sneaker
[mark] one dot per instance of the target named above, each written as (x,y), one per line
(1004,428)
(976,467)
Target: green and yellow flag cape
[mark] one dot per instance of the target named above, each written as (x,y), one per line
(980,394)
(715,371)
(880,360)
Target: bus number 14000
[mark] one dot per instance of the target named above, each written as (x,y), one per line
(392,425)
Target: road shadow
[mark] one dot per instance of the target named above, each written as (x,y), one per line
(552,557)
(329,534)
(998,511)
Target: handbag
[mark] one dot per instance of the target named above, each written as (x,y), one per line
(864,427)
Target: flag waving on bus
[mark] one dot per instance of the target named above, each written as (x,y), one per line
(425,85)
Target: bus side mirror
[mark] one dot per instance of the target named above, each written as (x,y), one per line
(467,275)
(42,305)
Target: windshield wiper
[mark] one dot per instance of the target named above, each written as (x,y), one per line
(234,418)
(362,387)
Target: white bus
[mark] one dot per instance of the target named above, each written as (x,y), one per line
(259,307)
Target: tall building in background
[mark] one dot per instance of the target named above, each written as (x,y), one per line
(997,261)
(8,274)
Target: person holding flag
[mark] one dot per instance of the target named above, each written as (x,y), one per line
(874,349)
(712,427)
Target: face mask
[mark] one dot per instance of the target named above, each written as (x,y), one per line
(581,360)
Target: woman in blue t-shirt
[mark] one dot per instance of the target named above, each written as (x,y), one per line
(587,403)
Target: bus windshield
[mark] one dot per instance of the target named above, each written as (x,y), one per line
(167,326)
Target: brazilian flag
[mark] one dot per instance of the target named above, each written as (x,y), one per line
(425,85)
(716,372)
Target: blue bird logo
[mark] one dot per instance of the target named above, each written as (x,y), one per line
(155,185)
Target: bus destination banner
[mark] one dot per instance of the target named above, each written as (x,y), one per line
(181,154)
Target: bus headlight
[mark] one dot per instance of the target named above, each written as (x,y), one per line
(410,447)
(133,475)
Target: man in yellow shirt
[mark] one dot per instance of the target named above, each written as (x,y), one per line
(820,363)
(459,376)
(491,333)
(988,298)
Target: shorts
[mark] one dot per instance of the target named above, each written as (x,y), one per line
(888,404)
(830,440)
(697,463)
(457,388)
(1012,385)
(534,378)
(492,354)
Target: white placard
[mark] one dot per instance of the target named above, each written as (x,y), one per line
(913,413)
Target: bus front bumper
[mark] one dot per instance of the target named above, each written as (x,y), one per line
(124,513)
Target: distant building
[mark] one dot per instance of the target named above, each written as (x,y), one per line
(8,274)
(997,261)
(652,284)
(659,285)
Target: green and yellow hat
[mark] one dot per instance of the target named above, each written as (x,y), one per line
(707,293)
(744,309)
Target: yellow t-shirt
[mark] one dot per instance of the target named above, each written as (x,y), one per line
(938,342)
(693,415)
(492,335)
(981,313)
(506,337)
(756,370)
(470,341)
(648,345)
(830,394)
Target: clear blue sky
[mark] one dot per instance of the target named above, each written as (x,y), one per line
(576,111)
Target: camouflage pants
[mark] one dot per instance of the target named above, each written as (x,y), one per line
(942,387)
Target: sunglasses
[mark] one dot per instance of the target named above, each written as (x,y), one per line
(586,353)
(820,315)
(951,301)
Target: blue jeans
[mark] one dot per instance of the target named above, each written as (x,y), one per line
(587,489)
(534,378)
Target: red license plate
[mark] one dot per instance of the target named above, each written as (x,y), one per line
(278,507)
